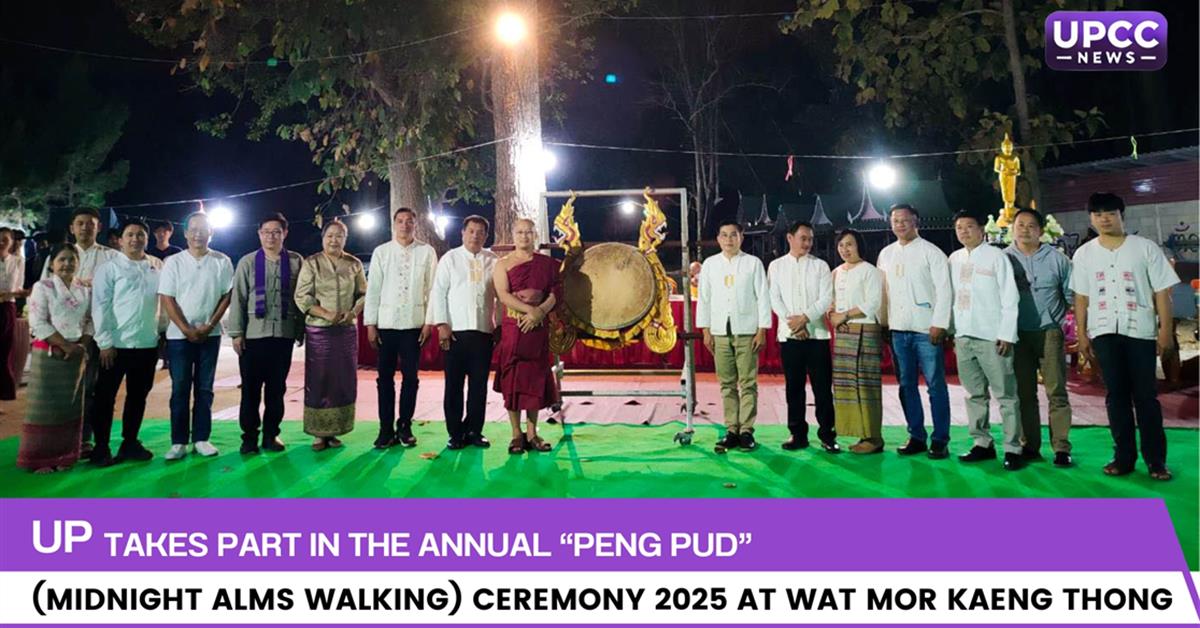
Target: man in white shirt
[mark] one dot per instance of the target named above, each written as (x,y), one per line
(84,226)
(462,305)
(986,303)
(801,288)
(917,282)
(1122,288)
(126,314)
(734,312)
(398,284)
(195,289)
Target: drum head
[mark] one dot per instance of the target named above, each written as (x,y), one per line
(611,286)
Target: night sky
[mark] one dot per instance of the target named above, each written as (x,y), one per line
(171,159)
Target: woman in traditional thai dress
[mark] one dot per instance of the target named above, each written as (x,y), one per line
(527,284)
(858,341)
(330,291)
(10,291)
(61,323)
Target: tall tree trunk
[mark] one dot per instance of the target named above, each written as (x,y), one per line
(1022,100)
(698,200)
(704,145)
(406,191)
(520,179)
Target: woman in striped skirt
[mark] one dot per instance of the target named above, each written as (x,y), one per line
(857,304)
(61,323)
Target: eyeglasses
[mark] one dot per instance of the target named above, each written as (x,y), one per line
(274,233)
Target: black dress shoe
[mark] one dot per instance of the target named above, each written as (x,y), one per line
(248,448)
(1031,455)
(912,447)
(794,442)
(102,457)
(1063,459)
(455,443)
(727,442)
(479,440)
(406,439)
(939,451)
(274,444)
(1013,462)
(134,451)
(746,441)
(978,453)
(385,440)
(831,447)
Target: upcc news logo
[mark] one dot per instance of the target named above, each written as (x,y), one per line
(1106,40)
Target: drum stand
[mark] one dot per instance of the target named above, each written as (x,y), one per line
(687,376)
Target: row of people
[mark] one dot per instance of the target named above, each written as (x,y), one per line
(1005,309)
(1007,312)
(97,316)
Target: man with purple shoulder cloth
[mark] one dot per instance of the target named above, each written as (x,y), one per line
(265,325)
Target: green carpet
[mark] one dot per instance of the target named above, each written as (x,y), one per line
(608,461)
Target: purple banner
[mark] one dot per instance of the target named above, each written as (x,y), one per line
(588,535)
(1106,40)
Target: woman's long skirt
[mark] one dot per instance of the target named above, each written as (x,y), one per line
(857,389)
(330,379)
(54,413)
(8,340)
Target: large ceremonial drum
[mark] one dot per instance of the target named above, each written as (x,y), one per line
(611,286)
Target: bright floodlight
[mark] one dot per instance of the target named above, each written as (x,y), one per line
(881,176)
(220,217)
(442,222)
(510,28)
(628,207)
(365,222)
(549,161)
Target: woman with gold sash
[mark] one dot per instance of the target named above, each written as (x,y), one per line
(330,291)
(857,347)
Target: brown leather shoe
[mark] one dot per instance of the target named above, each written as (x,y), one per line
(865,447)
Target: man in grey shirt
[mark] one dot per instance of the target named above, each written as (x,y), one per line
(1043,276)
(265,324)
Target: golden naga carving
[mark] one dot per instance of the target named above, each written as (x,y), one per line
(1008,166)
(566,230)
(614,294)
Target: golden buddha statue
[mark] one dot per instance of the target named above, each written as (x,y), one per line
(1008,166)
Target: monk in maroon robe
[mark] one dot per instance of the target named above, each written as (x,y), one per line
(527,284)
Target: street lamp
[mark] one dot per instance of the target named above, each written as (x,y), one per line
(440,222)
(220,217)
(628,208)
(881,176)
(511,29)
(365,222)
(549,160)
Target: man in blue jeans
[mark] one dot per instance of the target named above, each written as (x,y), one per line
(195,290)
(917,276)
